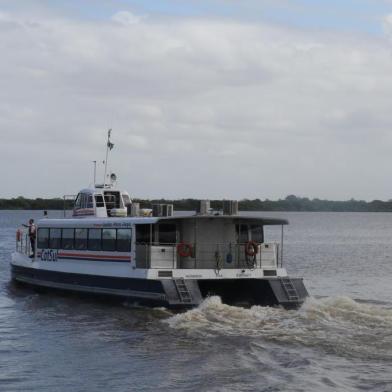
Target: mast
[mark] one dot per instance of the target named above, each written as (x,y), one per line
(109,146)
(95,173)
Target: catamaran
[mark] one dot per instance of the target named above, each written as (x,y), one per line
(111,247)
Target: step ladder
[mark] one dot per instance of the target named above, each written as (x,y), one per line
(183,292)
(290,289)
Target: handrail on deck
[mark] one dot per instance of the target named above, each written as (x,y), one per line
(208,255)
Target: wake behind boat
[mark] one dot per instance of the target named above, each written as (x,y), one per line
(109,247)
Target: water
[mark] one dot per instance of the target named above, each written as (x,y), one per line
(341,338)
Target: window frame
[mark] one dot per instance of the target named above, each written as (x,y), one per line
(130,240)
(100,239)
(73,238)
(47,238)
(59,239)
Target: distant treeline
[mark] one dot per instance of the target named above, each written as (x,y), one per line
(290,203)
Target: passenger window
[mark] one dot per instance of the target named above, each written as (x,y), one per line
(109,239)
(167,234)
(67,241)
(81,239)
(123,240)
(257,233)
(94,239)
(99,201)
(55,239)
(143,234)
(43,238)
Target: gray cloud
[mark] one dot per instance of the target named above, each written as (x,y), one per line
(199,108)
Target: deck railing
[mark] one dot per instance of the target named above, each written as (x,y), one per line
(207,256)
(23,245)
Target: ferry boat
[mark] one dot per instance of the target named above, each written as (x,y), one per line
(109,247)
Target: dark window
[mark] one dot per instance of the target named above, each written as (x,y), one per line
(94,239)
(126,199)
(90,201)
(242,233)
(112,200)
(55,239)
(167,233)
(99,201)
(84,201)
(123,240)
(109,239)
(81,239)
(43,238)
(78,201)
(143,234)
(257,233)
(67,241)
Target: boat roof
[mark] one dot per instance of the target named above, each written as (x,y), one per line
(127,221)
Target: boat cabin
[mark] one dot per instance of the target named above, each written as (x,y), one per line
(164,243)
(101,202)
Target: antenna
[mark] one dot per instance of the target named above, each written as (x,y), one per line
(95,173)
(109,146)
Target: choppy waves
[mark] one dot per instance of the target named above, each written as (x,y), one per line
(337,325)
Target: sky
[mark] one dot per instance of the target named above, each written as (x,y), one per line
(206,98)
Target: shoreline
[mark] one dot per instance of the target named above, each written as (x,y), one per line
(289,204)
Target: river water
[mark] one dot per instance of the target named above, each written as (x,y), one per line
(340,340)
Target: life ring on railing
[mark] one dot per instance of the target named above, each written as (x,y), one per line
(184,249)
(18,235)
(251,248)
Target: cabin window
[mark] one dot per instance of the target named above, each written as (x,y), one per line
(123,240)
(112,200)
(90,201)
(242,233)
(126,199)
(78,201)
(99,201)
(43,238)
(94,239)
(167,233)
(55,238)
(257,233)
(143,234)
(109,239)
(81,239)
(67,241)
(83,202)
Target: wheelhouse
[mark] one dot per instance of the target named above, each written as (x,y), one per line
(101,202)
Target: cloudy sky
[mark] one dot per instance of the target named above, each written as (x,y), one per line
(206,98)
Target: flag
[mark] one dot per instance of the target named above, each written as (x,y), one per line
(110,145)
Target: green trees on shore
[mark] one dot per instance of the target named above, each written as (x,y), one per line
(290,203)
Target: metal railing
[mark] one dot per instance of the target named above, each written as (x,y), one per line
(207,256)
(23,245)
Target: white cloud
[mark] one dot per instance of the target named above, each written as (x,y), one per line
(126,18)
(198,107)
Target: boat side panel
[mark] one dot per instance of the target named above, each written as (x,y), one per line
(94,284)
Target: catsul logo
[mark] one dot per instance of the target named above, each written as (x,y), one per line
(49,255)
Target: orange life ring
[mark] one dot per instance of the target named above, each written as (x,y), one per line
(184,249)
(251,248)
(18,235)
